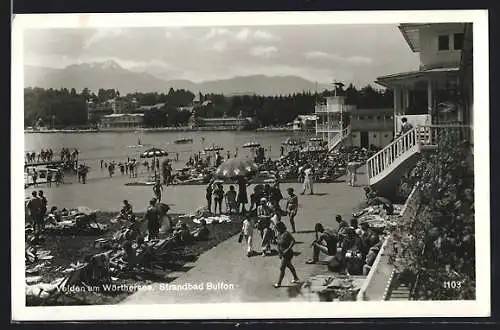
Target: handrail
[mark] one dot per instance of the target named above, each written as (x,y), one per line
(423,135)
(332,143)
(385,157)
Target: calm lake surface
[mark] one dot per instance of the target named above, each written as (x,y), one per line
(120,145)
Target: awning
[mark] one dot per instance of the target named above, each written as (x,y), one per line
(401,78)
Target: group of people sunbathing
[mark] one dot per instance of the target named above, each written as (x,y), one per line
(156,217)
(353,247)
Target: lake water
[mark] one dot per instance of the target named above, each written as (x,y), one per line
(119,145)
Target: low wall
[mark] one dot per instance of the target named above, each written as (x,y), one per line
(379,280)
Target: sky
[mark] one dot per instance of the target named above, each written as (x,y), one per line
(320,53)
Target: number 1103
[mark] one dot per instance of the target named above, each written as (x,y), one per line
(452,284)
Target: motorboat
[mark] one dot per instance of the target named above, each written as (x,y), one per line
(183,141)
(214,148)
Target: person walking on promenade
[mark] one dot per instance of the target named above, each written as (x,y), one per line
(218,197)
(275,196)
(285,244)
(34,176)
(264,214)
(110,169)
(35,207)
(157,190)
(308,180)
(49,178)
(58,177)
(44,202)
(208,195)
(292,205)
(247,233)
(152,217)
(85,171)
(242,198)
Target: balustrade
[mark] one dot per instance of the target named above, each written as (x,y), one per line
(404,145)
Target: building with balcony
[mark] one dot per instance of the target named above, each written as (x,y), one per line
(444,86)
(371,127)
(124,121)
(98,110)
(116,105)
(431,94)
(224,123)
(333,119)
(436,99)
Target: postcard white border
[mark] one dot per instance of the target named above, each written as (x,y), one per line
(478,308)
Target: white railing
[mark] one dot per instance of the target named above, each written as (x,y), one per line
(411,142)
(336,139)
(385,157)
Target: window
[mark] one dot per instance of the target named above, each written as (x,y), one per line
(378,117)
(386,135)
(374,135)
(369,117)
(444,42)
(458,41)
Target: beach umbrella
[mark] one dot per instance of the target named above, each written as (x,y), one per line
(316,139)
(154,152)
(236,167)
(251,145)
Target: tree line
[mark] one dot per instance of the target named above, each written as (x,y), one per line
(68,108)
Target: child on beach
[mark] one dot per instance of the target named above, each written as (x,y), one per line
(157,189)
(231,200)
(247,232)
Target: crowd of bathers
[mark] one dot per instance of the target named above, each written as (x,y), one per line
(47,155)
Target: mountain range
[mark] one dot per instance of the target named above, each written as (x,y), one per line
(110,74)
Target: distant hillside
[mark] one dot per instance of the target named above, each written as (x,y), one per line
(110,74)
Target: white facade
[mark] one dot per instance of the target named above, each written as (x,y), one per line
(122,121)
(437,79)
(431,55)
(332,115)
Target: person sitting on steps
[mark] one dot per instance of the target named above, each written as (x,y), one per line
(326,242)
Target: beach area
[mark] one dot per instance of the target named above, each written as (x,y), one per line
(204,262)
(220,259)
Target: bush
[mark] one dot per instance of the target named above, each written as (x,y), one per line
(437,246)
